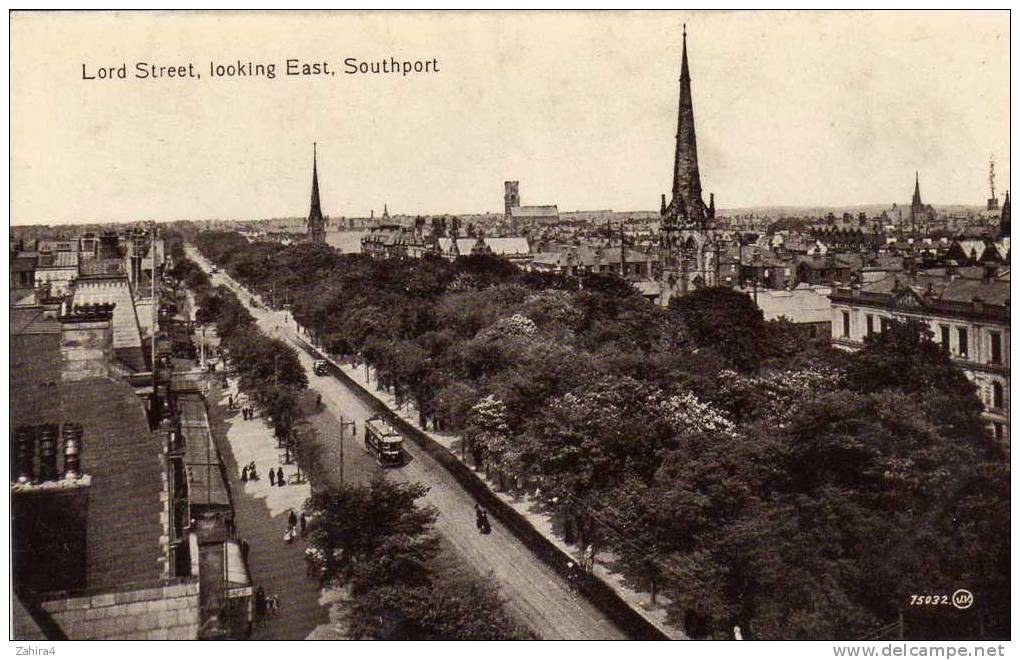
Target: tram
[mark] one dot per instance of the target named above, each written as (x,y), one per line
(384,442)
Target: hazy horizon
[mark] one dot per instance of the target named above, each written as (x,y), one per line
(793,109)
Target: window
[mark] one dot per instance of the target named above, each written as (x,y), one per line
(962,334)
(883,323)
(944,331)
(997,401)
(846,324)
(871,325)
(996,341)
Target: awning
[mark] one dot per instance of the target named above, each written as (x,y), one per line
(238,580)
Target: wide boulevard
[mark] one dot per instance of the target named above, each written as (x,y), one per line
(535,594)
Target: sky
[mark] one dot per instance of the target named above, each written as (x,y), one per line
(791,108)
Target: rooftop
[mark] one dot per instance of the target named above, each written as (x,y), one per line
(120,454)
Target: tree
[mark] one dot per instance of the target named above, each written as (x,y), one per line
(726,321)
(351,523)
(448,609)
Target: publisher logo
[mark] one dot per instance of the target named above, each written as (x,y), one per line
(962,599)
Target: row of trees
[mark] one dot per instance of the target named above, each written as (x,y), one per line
(268,370)
(754,478)
(377,542)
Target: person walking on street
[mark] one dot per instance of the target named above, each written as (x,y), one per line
(478,516)
(304,524)
(272,477)
(244,474)
(292,519)
(260,604)
(281,481)
(484,526)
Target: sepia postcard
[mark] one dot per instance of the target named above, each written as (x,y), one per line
(511,325)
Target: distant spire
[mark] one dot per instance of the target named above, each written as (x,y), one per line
(917,190)
(316,224)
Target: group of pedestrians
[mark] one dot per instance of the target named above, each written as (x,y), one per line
(293,521)
(265,605)
(249,473)
(247,412)
(277,478)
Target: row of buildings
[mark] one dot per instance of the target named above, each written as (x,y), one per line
(122,520)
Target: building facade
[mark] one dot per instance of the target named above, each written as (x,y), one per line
(968,317)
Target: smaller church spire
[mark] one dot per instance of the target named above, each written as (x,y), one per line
(316,223)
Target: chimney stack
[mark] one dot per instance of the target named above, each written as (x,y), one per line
(72,450)
(24,455)
(47,436)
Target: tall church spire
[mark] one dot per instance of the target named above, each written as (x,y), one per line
(917,190)
(316,224)
(686,177)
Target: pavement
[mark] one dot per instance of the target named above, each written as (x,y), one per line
(534,593)
(261,512)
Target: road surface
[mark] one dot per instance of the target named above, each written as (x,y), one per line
(535,594)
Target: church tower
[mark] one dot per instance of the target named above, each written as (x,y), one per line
(688,250)
(316,223)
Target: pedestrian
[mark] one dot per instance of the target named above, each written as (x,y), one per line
(260,604)
(272,477)
(280,479)
(484,526)
(252,473)
(244,474)
(304,524)
(244,549)
(276,603)
(478,516)
(292,518)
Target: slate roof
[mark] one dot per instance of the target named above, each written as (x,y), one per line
(534,211)
(127,334)
(960,289)
(120,454)
(511,246)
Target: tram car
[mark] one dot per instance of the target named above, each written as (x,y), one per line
(384,442)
